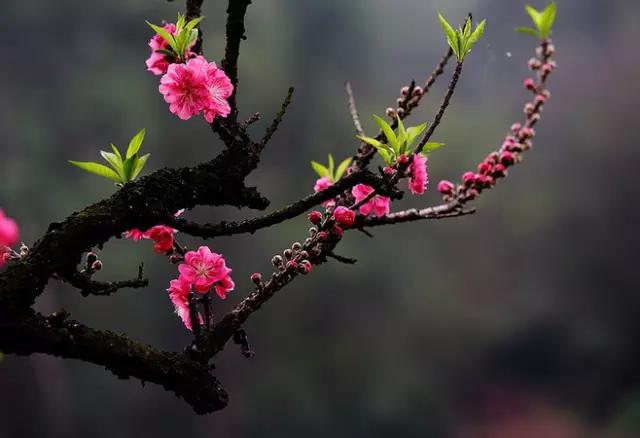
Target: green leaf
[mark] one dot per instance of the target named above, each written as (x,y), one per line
(332,165)
(166,52)
(414,132)
(342,168)
(402,136)
(547,18)
(388,132)
(97,169)
(165,35)
(534,14)
(191,25)
(114,161)
(320,169)
(452,35)
(139,165)
(387,156)
(135,143)
(128,167)
(180,22)
(116,151)
(369,140)
(529,31)
(431,146)
(475,36)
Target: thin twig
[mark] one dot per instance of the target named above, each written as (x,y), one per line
(278,118)
(353,110)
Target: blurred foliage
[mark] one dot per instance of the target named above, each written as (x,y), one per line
(520,317)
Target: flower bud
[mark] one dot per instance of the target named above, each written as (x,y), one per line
(391,112)
(313,231)
(507,158)
(388,170)
(417,91)
(540,98)
(445,187)
(400,112)
(96,266)
(91,257)
(277,261)
(515,128)
(337,231)
(399,101)
(469,178)
(315,217)
(527,132)
(292,264)
(550,50)
(297,246)
(304,255)
(305,267)
(344,216)
(534,64)
(529,108)
(403,159)
(287,254)
(529,84)
(404,90)
(548,67)
(322,235)
(499,170)
(484,168)
(256,278)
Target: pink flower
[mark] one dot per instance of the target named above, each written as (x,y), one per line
(322,184)
(9,236)
(185,88)
(162,237)
(203,268)
(158,62)
(179,295)
(220,89)
(378,204)
(134,234)
(223,286)
(344,217)
(419,178)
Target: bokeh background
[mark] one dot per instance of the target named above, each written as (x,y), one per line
(519,321)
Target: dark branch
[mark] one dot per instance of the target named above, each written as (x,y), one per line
(125,358)
(278,119)
(88,286)
(278,216)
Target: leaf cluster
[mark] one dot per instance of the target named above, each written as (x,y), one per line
(542,20)
(400,143)
(463,39)
(185,35)
(122,168)
(331,171)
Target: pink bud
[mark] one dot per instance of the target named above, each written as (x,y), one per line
(515,128)
(534,64)
(469,178)
(491,158)
(499,170)
(540,98)
(529,108)
(507,158)
(527,132)
(548,67)
(337,231)
(322,235)
(388,170)
(403,159)
(529,84)
(418,91)
(484,168)
(256,278)
(305,267)
(390,112)
(472,193)
(292,264)
(344,216)
(315,217)
(404,90)
(445,187)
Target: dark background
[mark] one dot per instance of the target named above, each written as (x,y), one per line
(519,321)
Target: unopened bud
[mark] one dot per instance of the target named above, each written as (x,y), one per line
(96,266)
(277,261)
(297,246)
(445,187)
(404,90)
(390,112)
(256,278)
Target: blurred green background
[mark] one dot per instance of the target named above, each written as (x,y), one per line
(519,321)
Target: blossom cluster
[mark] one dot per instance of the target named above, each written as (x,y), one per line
(518,140)
(9,236)
(202,270)
(193,87)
